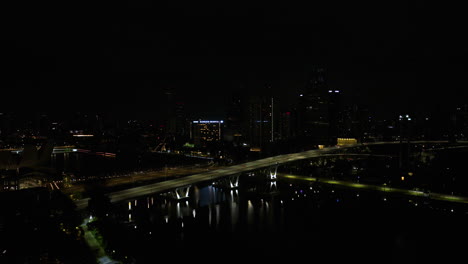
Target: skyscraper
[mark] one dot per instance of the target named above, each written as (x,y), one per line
(181,121)
(235,119)
(205,132)
(261,121)
(318,109)
(285,125)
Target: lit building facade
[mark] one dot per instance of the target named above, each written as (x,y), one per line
(204,132)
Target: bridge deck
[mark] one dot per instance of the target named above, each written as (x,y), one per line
(213,175)
(206,176)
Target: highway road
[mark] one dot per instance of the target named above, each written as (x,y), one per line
(140,177)
(210,175)
(132,193)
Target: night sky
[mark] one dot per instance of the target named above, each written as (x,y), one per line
(392,57)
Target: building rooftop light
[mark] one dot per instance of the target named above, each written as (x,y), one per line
(207,121)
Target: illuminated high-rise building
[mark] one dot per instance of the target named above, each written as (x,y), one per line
(204,132)
(319,109)
(261,121)
(286,129)
(181,122)
(235,120)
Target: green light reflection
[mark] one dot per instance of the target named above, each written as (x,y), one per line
(433,196)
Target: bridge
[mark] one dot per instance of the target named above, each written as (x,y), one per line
(180,184)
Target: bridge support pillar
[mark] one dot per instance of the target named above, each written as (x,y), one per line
(272,170)
(230,182)
(182,192)
(234,181)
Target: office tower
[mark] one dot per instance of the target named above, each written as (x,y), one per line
(235,130)
(261,121)
(319,109)
(180,119)
(204,132)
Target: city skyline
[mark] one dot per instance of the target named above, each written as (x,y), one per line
(143,132)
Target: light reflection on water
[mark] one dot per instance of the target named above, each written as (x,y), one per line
(281,218)
(221,209)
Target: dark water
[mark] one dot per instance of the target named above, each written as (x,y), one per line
(288,221)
